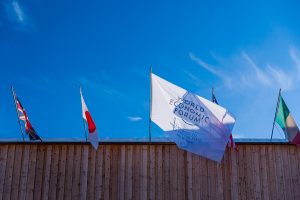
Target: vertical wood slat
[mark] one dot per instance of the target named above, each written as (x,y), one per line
(16,172)
(76,172)
(129,172)
(9,172)
(3,161)
(99,173)
(47,168)
(159,172)
(122,168)
(69,171)
(62,172)
(24,172)
(91,174)
(114,172)
(152,174)
(53,172)
(107,169)
(31,172)
(144,173)
(84,172)
(39,171)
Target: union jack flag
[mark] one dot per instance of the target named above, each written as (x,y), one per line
(23,117)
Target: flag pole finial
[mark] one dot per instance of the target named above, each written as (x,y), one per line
(277,104)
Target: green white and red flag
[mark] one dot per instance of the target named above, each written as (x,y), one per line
(286,121)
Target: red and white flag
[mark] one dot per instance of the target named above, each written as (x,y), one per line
(93,134)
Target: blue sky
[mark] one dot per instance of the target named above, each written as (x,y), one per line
(245,50)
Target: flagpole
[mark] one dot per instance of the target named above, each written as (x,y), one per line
(279,94)
(212,94)
(84,125)
(14,97)
(150,104)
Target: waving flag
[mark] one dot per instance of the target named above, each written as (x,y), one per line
(286,121)
(231,143)
(93,134)
(23,117)
(192,122)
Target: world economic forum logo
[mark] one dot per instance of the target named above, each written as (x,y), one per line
(190,109)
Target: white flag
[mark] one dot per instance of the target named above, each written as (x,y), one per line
(192,122)
(93,134)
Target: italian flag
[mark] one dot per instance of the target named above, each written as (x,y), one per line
(93,134)
(287,122)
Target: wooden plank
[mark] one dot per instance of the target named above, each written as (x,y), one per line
(107,165)
(136,171)
(189,176)
(173,173)
(129,172)
(91,174)
(271,172)
(114,171)
(159,172)
(286,170)
(152,176)
(166,172)
(99,172)
(62,172)
(249,172)
(212,179)
(121,173)
(47,172)
(279,173)
(181,169)
(263,173)
(256,173)
(31,172)
(144,172)
(234,174)
(84,172)
(53,172)
(3,160)
(16,172)
(39,171)
(69,172)
(241,172)
(76,173)
(9,172)
(24,172)
(295,172)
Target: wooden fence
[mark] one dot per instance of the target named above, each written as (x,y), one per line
(146,171)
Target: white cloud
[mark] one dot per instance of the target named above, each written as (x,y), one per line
(18,11)
(295,56)
(244,72)
(261,76)
(134,119)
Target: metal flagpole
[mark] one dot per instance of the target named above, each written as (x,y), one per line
(150,104)
(279,94)
(84,123)
(14,97)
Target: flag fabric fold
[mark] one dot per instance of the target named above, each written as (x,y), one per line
(30,131)
(231,143)
(93,134)
(286,121)
(195,124)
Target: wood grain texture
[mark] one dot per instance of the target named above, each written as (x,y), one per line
(146,171)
